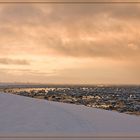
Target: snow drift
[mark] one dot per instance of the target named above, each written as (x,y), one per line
(30,116)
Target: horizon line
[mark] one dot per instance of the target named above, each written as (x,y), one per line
(61,84)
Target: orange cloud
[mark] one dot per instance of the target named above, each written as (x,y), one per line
(7,61)
(66,40)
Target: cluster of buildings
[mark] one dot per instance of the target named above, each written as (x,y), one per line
(119,98)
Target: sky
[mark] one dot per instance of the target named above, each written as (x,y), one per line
(70,43)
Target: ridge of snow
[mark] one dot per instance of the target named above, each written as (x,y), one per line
(20,114)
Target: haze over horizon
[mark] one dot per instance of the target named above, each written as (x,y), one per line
(70,43)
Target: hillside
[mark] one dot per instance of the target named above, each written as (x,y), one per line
(20,114)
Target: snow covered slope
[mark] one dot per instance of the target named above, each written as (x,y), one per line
(30,116)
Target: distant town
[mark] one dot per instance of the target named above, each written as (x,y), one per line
(124,99)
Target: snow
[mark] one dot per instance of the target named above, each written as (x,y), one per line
(24,115)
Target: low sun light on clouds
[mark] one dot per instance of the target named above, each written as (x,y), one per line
(70,43)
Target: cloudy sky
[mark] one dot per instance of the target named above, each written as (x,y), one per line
(70,43)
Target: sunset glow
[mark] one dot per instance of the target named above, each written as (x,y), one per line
(70,44)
